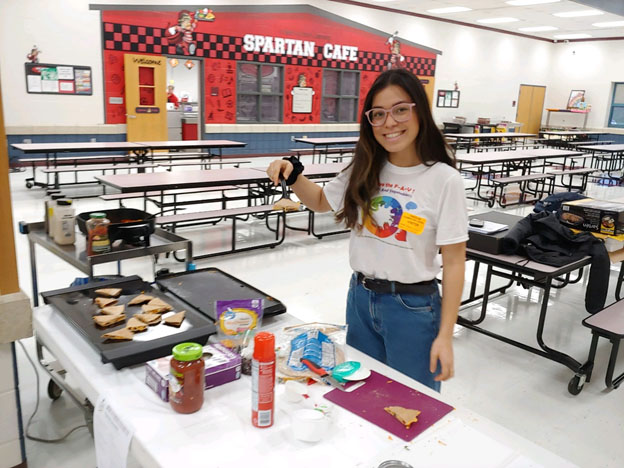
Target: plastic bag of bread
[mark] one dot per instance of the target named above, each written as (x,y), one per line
(321,343)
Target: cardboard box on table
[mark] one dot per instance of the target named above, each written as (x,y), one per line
(587,214)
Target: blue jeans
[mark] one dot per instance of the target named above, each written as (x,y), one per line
(396,329)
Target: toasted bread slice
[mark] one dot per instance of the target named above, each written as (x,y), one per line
(102,302)
(108,320)
(406,416)
(175,320)
(154,309)
(287,204)
(123,334)
(113,310)
(159,302)
(140,299)
(108,292)
(135,325)
(150,319)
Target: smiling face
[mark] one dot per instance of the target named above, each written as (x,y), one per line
(397,138)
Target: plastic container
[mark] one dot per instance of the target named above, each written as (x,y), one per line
(49,210)
(63,224)
(263,380)
(186,384)
(309,425)
(97,234)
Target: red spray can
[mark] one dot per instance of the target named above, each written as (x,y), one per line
(263,380)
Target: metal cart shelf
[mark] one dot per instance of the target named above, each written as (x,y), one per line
(160,242)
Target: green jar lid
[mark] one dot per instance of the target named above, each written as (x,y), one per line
(187,351)
(97,215)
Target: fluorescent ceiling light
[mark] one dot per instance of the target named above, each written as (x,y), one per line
(538,28)
(529,2)
(572,36)
(457,9)
(505,19)
(572,14)
(609,24)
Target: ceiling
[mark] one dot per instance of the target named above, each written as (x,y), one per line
(527,16)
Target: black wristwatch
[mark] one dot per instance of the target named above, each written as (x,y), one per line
(297,169)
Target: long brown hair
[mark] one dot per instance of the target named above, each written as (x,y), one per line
(370,155)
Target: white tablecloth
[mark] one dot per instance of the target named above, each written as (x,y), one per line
(221,433)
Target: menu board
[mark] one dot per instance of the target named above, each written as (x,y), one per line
(46,78)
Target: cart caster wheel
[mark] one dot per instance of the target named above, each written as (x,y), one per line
(575,386)
(29,185)
(54,391)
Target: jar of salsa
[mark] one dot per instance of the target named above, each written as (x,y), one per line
(186,385)
(97,234)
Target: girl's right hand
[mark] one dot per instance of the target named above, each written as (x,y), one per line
(277,167)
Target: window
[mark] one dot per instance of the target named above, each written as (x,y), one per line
(616,116)
(259,93)
(340,96)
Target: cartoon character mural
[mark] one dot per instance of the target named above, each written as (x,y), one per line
(396,59)
(33,56)
(181,35)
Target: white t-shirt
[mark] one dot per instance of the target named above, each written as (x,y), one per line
(417,209)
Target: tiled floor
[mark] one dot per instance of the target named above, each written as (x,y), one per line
(517,389)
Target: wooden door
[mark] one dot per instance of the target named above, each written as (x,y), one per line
(530,107)
(8,266)
(146,97)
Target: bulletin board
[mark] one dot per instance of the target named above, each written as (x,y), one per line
(448,98)
(47,78)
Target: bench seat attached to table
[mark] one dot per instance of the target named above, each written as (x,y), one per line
(172,222)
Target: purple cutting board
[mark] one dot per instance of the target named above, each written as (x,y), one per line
(380,391)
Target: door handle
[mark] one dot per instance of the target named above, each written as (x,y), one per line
(130,116)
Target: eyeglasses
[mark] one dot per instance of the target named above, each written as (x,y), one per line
(400,112)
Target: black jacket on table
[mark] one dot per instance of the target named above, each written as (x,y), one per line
(542,238)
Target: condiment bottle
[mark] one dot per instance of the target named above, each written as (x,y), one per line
(63,229)
(49,209)
(97,234)
(187,382)
(263,380)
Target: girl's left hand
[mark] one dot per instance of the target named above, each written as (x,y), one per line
(442,351)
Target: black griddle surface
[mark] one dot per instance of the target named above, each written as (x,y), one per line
(201,288)
(76,305)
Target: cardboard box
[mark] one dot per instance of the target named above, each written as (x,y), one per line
(491,243)
(587,214)
(222,366)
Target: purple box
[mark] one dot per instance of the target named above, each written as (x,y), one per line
(222,366)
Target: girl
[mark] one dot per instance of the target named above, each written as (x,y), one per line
(404,201)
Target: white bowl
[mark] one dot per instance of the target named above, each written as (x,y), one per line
(309,425)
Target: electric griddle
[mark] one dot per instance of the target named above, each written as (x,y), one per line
(193,291)
(201,288)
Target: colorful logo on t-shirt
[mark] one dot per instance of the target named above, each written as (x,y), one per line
(386,214)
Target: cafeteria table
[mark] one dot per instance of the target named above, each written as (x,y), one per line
(323,144)
(470,138)
(520,269)
(220,434)
(51,151)
(609,158)
(484,166)
(571,135)
(141,151)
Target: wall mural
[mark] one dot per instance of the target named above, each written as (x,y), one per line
(304,43)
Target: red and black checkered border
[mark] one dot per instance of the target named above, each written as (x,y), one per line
(143,39)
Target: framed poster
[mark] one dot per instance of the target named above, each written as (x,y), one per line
(447,98)
(46,78)
(576,97)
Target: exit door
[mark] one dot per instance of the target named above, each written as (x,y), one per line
(530,107)
(146,97)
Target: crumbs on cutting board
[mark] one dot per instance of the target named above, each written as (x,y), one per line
(441,442)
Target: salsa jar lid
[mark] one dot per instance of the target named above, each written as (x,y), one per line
(187,351)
